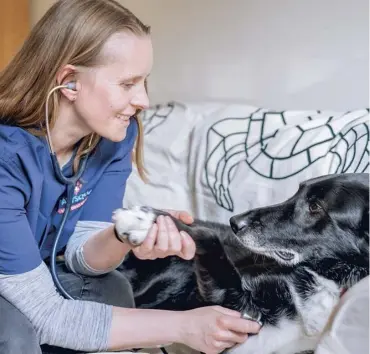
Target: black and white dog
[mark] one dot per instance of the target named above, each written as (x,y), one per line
(284,265)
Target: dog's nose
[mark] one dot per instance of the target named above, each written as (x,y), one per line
(237,222)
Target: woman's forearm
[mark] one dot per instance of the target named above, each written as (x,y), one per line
(103,251)
(141,328)
(92,326)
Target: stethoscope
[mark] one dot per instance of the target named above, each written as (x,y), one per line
(68,181)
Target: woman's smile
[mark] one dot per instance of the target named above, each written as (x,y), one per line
(125,120)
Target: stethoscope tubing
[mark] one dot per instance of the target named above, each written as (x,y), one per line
(64,180)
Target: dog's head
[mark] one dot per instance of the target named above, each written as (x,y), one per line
(327,216)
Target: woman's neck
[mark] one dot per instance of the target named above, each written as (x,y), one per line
(66,132)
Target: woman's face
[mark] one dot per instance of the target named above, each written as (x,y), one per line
(110,93)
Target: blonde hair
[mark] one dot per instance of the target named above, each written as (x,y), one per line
(71,32)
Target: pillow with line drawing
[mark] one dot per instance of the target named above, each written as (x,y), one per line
(217,159)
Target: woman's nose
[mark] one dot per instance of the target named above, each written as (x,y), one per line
(141,99)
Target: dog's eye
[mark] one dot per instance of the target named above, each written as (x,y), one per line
(314,207)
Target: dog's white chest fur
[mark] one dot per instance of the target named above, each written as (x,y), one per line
(317,308)
(287,337)
(291,337)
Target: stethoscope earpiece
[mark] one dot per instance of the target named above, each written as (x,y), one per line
(71,85)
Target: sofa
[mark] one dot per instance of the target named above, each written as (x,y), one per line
(217,159)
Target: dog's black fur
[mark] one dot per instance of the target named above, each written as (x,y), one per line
(253,265)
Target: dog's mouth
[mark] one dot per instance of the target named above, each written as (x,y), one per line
(285,255)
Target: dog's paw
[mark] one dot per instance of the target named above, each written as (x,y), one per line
(133,224)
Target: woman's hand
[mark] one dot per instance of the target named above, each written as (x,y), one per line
(164,239)
(213,329)
(183,216)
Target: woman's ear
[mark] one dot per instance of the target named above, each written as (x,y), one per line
(65,75)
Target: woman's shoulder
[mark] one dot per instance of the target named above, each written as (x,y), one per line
(16,141)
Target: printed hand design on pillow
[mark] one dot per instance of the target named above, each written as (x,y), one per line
(279,145)
(155,116)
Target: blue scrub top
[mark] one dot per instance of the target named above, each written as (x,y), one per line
(32,200)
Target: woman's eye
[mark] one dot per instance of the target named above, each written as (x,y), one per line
(314,207)
(128,86)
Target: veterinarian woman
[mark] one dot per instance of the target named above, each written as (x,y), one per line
(100,54)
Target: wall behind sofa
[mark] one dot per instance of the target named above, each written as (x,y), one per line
(288,54)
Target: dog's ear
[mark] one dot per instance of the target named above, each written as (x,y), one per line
(364,226)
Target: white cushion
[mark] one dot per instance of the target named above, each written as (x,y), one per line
(217,159)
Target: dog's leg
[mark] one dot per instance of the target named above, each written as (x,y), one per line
(218,280)
(214,271)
